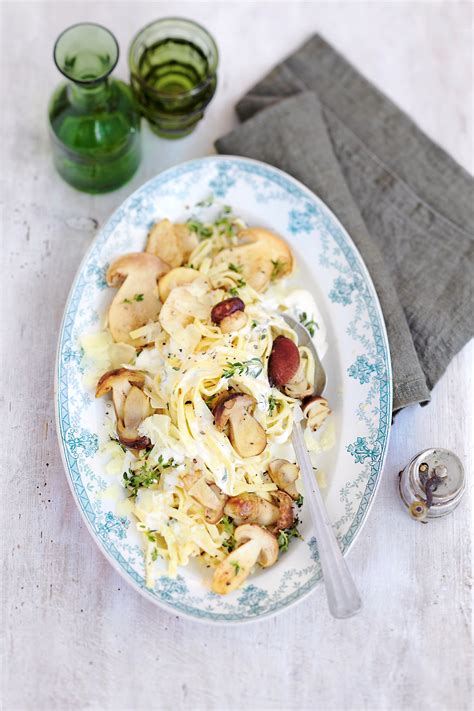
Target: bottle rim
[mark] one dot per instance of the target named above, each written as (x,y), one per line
(99,78)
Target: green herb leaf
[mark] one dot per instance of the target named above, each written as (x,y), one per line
(126,301)
(202,230)
(299,501)
(146,476)
(207,202)
(272,403)
(278,268)
(139,297)
(236,566)
(254,324)
(308,323)
(235,268)
(229,528)
(252,367)
(285,536)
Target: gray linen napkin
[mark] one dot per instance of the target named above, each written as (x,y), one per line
(406,204)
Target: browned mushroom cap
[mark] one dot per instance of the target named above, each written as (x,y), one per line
(136,302)
(255,544)
(262,255)
(284,474)
(171,243)
(233,410)
(285,508)
(284,361)
(316,409)
(131,405)
(250,508)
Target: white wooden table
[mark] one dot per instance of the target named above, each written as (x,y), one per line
(75,636)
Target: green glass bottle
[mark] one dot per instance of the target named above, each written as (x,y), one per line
(95,126)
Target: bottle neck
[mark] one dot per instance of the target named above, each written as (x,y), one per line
(89,97)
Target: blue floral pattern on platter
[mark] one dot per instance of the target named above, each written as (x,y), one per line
(360,397)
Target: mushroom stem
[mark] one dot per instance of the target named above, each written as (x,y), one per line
(255,544)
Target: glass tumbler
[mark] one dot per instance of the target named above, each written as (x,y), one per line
(173,65)
(94,121)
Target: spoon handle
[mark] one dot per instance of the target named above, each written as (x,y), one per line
(342,595)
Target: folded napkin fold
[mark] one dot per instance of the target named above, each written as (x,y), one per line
(407,205)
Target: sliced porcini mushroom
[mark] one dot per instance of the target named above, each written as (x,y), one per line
(136,409)
(284,361)
(136,302)
(250,508)
(316,409)
(226,308)
(255,545)
(171,243)
(286,516)
(234,322)
(131,405)
(284,474)
(235,569)
(214,515)
(208,495)
(119,383)
(233,411)
(180,276)
(131,438)
(268,543)
(299,385)
(262,255)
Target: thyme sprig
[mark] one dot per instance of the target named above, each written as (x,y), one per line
(252,367)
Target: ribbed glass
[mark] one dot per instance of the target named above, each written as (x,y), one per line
(173,64)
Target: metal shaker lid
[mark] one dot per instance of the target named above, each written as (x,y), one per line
(433,483)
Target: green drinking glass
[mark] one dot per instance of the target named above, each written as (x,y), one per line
(173,65)
(94,121)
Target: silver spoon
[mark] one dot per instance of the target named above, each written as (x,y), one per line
(342,595)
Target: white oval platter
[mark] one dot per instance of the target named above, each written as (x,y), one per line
(357,363)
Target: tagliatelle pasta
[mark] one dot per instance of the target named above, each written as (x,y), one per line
(198,417)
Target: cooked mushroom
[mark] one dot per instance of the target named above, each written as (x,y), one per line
(250,508)
(316,409)
(215,515)
(119,382)
(208,495)
(299,385)
(130,403)
(226,308)
(263,256)
(255,545)
(284,474)
(247,436)
(136,302)
(234,322)
(284,361)
(285,508)
(180,276)
(171,243)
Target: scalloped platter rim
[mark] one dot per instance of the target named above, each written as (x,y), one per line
(358,366)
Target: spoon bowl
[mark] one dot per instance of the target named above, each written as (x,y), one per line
(304,339)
